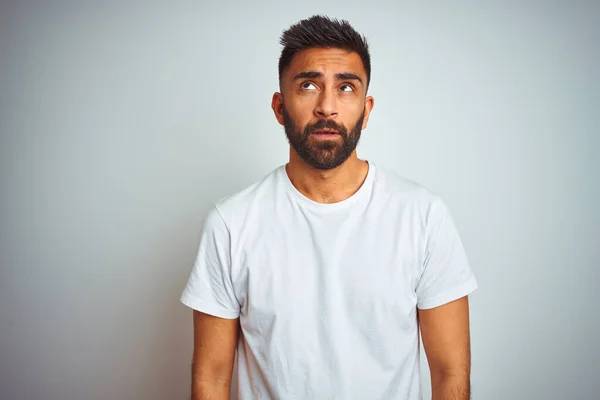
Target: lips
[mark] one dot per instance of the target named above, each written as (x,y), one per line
(326,132)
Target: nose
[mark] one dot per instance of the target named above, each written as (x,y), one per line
(327,107)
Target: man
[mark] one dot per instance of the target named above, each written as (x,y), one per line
(322,273)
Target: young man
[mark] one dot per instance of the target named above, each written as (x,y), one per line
(322,273)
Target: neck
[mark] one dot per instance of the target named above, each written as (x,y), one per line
(327,186)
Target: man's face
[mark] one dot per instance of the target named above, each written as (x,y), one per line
(322,106)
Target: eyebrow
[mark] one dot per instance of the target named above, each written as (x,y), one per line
(340,76)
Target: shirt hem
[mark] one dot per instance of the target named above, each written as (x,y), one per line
(207,307)
(449,295)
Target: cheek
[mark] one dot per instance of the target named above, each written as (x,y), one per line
(301,116)
(301,107)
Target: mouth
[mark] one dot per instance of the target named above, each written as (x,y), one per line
(326,132)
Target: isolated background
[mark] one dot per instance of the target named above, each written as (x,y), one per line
(121,125)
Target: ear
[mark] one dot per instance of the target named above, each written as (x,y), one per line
(369,103)
(277,106)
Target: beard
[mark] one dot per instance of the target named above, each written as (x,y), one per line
(322,154)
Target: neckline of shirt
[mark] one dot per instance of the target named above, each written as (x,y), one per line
(363,192)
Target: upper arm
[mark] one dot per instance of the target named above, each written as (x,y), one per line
(215,341)
(446,337)
(210,286)
(446,274)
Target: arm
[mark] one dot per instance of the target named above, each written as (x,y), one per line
(215,341)
(447,344)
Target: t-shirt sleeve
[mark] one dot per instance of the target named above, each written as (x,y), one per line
(446,274)
(209,288)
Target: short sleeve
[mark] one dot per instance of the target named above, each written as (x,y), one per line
(209,288)
(446,274)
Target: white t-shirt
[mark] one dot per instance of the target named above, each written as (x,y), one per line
(327,294)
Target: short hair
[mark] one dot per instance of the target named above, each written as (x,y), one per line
(322,31)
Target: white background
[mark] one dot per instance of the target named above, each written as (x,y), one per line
(121,125)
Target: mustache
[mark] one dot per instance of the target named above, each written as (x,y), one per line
(325,124)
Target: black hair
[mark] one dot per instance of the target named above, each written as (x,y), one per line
(322,31)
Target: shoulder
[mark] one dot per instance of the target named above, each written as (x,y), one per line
(399,188)
(257,195)
(417,200)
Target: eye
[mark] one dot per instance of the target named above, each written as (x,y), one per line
(347,88)
(307,86)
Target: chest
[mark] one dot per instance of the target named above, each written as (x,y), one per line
(358,271)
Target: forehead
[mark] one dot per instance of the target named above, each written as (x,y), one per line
(326,60)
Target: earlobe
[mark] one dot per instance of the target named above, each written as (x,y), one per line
(277,106)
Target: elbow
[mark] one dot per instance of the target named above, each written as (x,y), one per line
(447,383)
(212,382)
